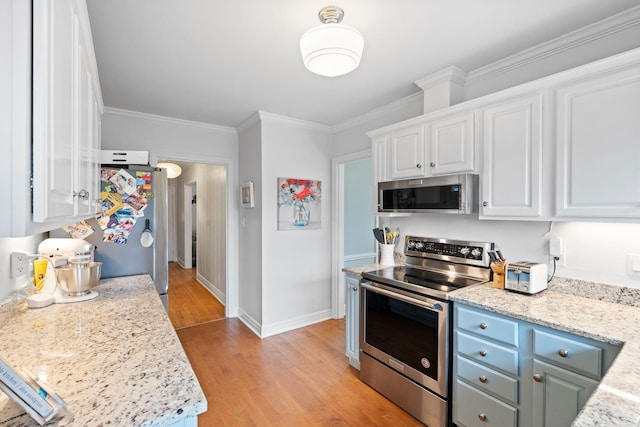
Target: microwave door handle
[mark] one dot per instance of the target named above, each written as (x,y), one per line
(432,307)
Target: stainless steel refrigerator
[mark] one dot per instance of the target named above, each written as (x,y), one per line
(132,257)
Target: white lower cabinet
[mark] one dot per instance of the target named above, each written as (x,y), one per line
(508,372)
(352,315)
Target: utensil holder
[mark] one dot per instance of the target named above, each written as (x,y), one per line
(386,254)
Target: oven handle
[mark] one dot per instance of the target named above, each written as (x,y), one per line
(432,307)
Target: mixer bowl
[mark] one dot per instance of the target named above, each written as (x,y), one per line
(78,279)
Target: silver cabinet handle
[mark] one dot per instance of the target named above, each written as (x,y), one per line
(419,165)
(483,353)
(483,325)
(485,204)
(537,378)
(563,353)
(482,379)
(482,417)
(355,288)
(82,195)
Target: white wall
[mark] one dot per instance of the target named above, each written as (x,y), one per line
(297,283)
(8,245)
(595,251)
(250,275)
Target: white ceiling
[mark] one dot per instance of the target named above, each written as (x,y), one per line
(219,62)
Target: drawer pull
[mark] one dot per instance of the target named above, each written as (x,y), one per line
(537,378)
(483,325)
(483,379)
(563,353)
(482,417)
(483,353)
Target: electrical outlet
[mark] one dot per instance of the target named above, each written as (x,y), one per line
(556,250)
(19,264)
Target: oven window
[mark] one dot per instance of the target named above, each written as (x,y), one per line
(406,332)
(438,197)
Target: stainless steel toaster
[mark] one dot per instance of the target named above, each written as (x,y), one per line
(526,277)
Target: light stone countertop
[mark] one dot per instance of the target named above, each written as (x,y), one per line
(115,360)
(616,401)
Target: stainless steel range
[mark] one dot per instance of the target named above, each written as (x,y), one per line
(405,323)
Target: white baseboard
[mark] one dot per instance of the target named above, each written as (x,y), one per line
(291,324)
(249,321)
(217,293)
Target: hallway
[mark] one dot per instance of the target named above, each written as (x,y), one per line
(189,302)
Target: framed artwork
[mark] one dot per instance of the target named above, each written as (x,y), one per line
(246,195)
(299,204)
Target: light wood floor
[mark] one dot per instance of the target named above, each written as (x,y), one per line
(189,302)
(298,378)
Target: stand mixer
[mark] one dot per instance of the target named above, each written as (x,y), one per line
(70,272)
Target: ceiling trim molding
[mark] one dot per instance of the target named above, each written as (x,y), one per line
(622,21)
(167,120)
(381,111)
(253,119)
(264,116)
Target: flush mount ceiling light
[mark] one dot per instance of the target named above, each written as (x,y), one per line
(173,170)
(331,49)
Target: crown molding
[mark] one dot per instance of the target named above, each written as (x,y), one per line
(400,104)
(620,22)
(451,74)
(264,116)
(253,119)
(168,120)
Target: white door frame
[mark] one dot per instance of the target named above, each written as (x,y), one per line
(337,225)
(171,216)
(188,225)
(232,244)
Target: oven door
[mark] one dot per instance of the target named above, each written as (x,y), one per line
(407,332)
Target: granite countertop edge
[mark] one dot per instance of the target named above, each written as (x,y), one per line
(133,368)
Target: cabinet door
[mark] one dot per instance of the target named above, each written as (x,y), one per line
(353,320)
(512,171)
(558,395)
(451,143)
(598,151)
(406,150)
(55,43)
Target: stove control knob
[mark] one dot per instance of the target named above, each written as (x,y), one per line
(419,245)
(476,252)
(465,251)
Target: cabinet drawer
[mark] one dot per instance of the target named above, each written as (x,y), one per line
(483,351)
(487,325)
(488,379)
(476,409)
(568,353)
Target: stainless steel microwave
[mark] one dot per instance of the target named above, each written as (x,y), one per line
(453,194)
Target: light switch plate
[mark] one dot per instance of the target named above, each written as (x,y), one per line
(633,265)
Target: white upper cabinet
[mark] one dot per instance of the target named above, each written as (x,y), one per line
(451,142)
(406,151)
(67,107)
(598,145)
(378,167)
(512,169)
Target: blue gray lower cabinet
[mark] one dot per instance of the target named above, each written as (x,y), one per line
(507,372)
(352,315)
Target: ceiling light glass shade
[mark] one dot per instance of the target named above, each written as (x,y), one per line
(173,170)
(331,49)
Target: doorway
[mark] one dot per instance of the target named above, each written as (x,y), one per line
(352,237)
(198,277)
